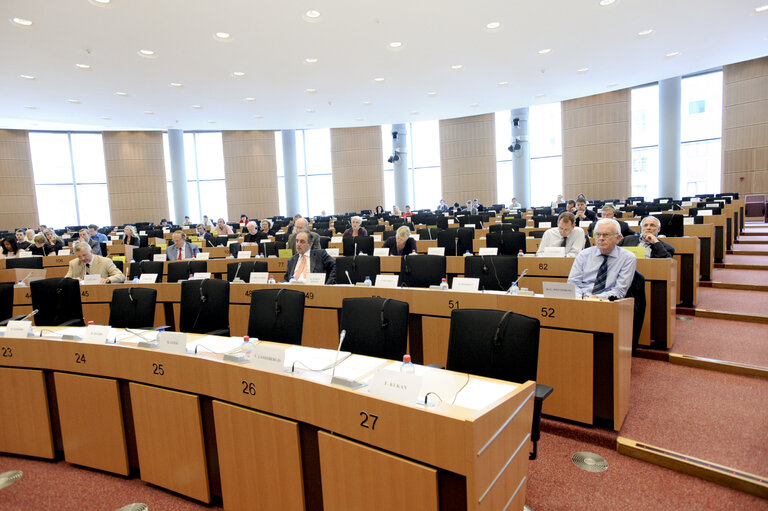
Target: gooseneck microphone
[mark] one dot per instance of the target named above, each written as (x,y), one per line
(525,271)
(338,350)
(30,314)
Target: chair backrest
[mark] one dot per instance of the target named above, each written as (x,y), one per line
(493,343)
(33,262)
(448,238)
(234,248)
(324,241)
(204,306)
(155,267)
(465,236)
(246,268)
(57,300)
(421,270)
(376,327)
(537,234)
(268,248)
(508,242)
(357,267)
(276,315)
(178,270)
(552,219)
(353,245)
(6,300)
(495,272)
(671,224)
(133,307)
(388,234)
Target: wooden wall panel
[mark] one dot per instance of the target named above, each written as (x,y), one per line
(18,201)
(597,157)
(358,169)
(250,170)
(135,176)
(745,127)
(468,159)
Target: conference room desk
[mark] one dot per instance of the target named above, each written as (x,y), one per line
(660,290)
(199,426)
(55,266)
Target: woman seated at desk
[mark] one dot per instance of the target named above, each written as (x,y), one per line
(401,243)
(130,237)
(53,242)
(10,248)
(355,230)
(266,229)
(252,235)
(38,246)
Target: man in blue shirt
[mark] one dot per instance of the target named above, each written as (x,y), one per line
(93,231)
(606,269)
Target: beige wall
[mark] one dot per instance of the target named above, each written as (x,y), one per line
(468,159)
(597,157)
(135,176)
(18,201)
(250,170)
(358,169)
(745,127)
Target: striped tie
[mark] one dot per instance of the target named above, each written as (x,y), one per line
(602,275)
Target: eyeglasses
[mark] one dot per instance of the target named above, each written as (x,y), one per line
(604,234)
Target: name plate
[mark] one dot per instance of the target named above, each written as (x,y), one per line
(336,239)
(704,212)
(201,275)
(229,242)
(114,238)
(284,253)
(18,328)
(451,221)
(415,236)
(64,251)
(243,254)
(172,342)
(142,233)
(96,333)
(689,220)
(376,237)
(687,203)
(315,279)
(400,387)
(489,251)
(381,252)
(545,224)
(558,290)
(639,252)
(91,279)
(333,252)
(258,277)
(386,280)
(108,243)
(268,358)
(715,205)
(554,252)
(202,255)
(440,251)
(633,223)
(469,284)
(24,253)
(159,257)
(147,278)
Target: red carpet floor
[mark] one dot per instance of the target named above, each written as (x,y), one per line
(758,277)
(745,343)
(749,247)
(733,300)
(746,259)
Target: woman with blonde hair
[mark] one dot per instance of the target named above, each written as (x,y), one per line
(401,243)
(53,242)
(130,236)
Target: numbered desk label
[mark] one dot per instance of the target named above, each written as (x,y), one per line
(158,369)
(368,420)
(548,312)
(80,358)
(6,351)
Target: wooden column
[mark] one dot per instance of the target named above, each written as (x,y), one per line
(18,201)
(468,158)
(358,169)
(250,170)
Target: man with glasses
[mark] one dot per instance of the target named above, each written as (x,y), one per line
(564,235)
(606,269)
(648,238)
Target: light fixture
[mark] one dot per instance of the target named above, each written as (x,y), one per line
(582,70)
(431,94)
(257,116)
(606,3)
(378,80)
(502,84)
(197,107)
(310,91)
(358,119)
(149,112)
(148,54)
(84,67)
(176,85)
(312,14)
(74,101)
(21,22)
(30,107)
(672,55)
(27,77)
(457,67)
(211,122)
(238,74)
(106,118)
(545,51)
(516,122)
(249,99)
(395,45)
(101,3)
(121,94)
(493,25)
(310,60)
(414,113)
(309,125)
(540,95)
(761,9)
(224,37)
(474,105)
(367,103)
(644,33)
(310,110)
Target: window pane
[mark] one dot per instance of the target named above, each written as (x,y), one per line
(386,146)
(194,205)
(189,156)
(645,172)
(93,202)
(167,158)
(645,116)
(544,131)
(425,144)
(172,204)
(210,155)
(426,189)
(213,197)
(546,180)
(281,195)
(320,194)
(51,162)
(56,205)
(318,151)
(88,157)
(504,184)
(700,167)
(389,189)
(279,153)
(302,186)
(701,101)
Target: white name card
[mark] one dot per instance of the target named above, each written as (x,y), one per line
(24,253)
(201,275)
(400,387)
(415,236)
(258,277)
(333,252)
(440,251)
(381,252)
(244,254)
(558,290)
(64,251)
(633,223)
(108,243)
(92,279)
(663,201)
(202,255)
(489,251)
(159,257)
(554,252)
(469,284)
(172,342)
(142,233)
(336,239)
(386,280)
(96,333)
(18,328)
(166,229)
(66,237)
(315,279)
(688,220)
(376,237)
(704,212)
(545,224)
(687,203)
(451,221)
(713,205)
(147,278)
(114,238)
(268,358)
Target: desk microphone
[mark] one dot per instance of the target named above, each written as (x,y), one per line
(525,271)
(348,277)
(338,380)
(456,245)
(25,278)
(30,314)
(237,278)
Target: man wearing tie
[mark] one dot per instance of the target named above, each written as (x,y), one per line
(180,249)
(564,235)
(89,264)
(307,261)
(205,237)
(606,269)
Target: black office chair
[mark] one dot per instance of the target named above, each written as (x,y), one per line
(32,263)
(234,248)
(133,308)
(537,234)
(385,235)
(268,248)
(276,315)
(429,233)
(181,270)
(637,291)
(357,267)
(421,270)
(155,267)
(515,223)
(144,253)
(57,301)
(495,272)
(501,345)
(508,242)
(118,265)
(205,307)
(246,268)
(6,303)
(353,245)
(324,241)
(449,239)
(376,327)
(465,235)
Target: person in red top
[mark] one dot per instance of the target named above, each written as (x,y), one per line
(407,211)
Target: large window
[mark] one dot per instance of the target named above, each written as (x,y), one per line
(504,180)
(389,168)
(645,142)
(701,128)
(313,165)
(204,165)
(70,178)
(546,148)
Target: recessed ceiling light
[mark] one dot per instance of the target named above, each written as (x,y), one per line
(367,103)
(378,80)
(84,67)
(414,113)
(502,84)
(211,122)
(197,107)
(148,54)
(457,67)
(761,9)
(612,85)
(106,118)
(545,51)
(493,25)
(605,3)
(222,36)
(431,94)
(310,60)
(644,33)
(310,91)
(474,105)
(358,119)
(121,94)
(101,3)
(582,70)
(672,55)
(395,45)
(149,112)
(21,22)
(74,101)
(238,74)
(175,85)
(310,110)
(257,116)
(27,77)
(31,107)
(312,14)
(250,99)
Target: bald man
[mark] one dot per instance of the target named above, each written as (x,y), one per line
(301,224)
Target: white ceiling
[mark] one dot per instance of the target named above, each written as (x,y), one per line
(270,40)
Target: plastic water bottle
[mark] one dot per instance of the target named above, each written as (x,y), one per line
(293,280)
(247,348)
(361,253)
(514,289)
(271,279)
(407,366)
(467,254)
(520,253)
(444,284)
(368,282)
(136,279)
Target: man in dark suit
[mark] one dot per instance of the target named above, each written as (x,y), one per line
(648,238)
(583,214)
(205,237)
(307,261)
(609,211)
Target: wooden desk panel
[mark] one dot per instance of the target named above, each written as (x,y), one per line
(25,422)
(706,235)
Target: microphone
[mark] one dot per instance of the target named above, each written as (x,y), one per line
(485,266)
(355,251)
(203,298)
(343,382)
(497,336)
(525,271)
(237,273)
(348,277)
(342,335)
(456,245)
(30,314)
(26,277)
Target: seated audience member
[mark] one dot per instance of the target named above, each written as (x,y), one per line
(292,224)
(606,269)
(571,207)
(87,263)
(470,208)
(180,249)
(648,238)
(396,211)
(206,222)
(476,204)
(556,203)
(10,247)
(163,223)
(355,229)
(307,260)
(401,243)
(301,224)
(21,243)
(442,206)
(95,245)
(583,214)
(53,242)
(130,236)
(243,219)
(93,232)
(564,235)
(38,246)
(379,210)
(266,229)
(456,208)
(205,237)
(186,220)
(514,204)
(222,228)
(407,211)
(252,235)
(609,211)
